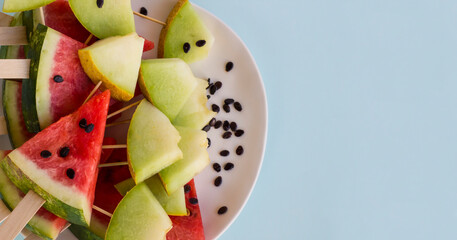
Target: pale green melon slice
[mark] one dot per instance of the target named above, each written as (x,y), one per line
(193,145)
(104,18)
(116,62)
(194,113)
(185,36)
(152,142)
(167,83)
(23,5)
(139,216)
(174,204)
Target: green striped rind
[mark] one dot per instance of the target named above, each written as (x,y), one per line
(52,204)
(11,113)
(83,233)
(29,109)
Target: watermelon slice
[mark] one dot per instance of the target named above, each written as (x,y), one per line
(188,227)
(61,162)
(57,84)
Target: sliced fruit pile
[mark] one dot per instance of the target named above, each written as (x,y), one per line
(57,129)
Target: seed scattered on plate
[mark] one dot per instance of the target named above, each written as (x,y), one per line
(229,166)
(226,108)
(222,210)
(218,124)
(143,11)
(218,85)
(212,89)
(215,108)
(229,66)
(239,150)
(238,106)
(187,188)
(239,133)
(45,154)
(208,96)
(226,125)
(218,181)
(186,47)
(212,122)
(206,128)
(58,79)
(224,153)
(209,142)
(233,126)
(200,43)
(64,151)
(229,101)
(226,135)
(193,201)
(217,167)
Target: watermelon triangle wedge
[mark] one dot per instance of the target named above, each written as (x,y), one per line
(60,163)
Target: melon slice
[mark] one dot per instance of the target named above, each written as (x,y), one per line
(167,83)
(188,227)
(174,204)
(194,113)
(60,163)
(116,62)
(105,18)
(193,145)
(139,216)
(44,223)
(21,5)
(152,142)
(185,36)
(57,84)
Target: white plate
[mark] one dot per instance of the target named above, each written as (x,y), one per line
(244,84)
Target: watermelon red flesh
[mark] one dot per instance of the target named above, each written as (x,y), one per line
(188,227)
(68,198)
(148,45)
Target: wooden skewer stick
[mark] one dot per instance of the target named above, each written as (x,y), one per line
(13,36)
(123,109)
(114,146)
(111,124)
(115,164)
(20,216)
(5,20)
(5,212)
(150,18)
(93,91)
(14,68)
(102,211)
(88,39)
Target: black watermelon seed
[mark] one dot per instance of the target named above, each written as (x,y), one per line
(83,123)
(233,126)
(212,89)
(226,135)
(212,122)
(224,153)
(218,124)
(206,128)
(209,142)
(229,101)
(218,85)
(143,11)
(200,43)
(100,3)
(70,173)
(45,154)
(209,85)
(226,125)
(218,181)
(215,108)
(89,128)
(186,47)
(187,188)
(226,108)
(58,79)
(239,133)
(239,150)
(222,210)
(64,151)
(238,106)
(229,166)
(216,167)
(208,96)
(228,66)
(193,201)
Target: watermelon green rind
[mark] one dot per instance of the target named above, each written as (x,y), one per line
(59,208)
(83,233)
(29,108)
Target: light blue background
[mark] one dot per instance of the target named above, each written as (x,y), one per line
(362,118)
